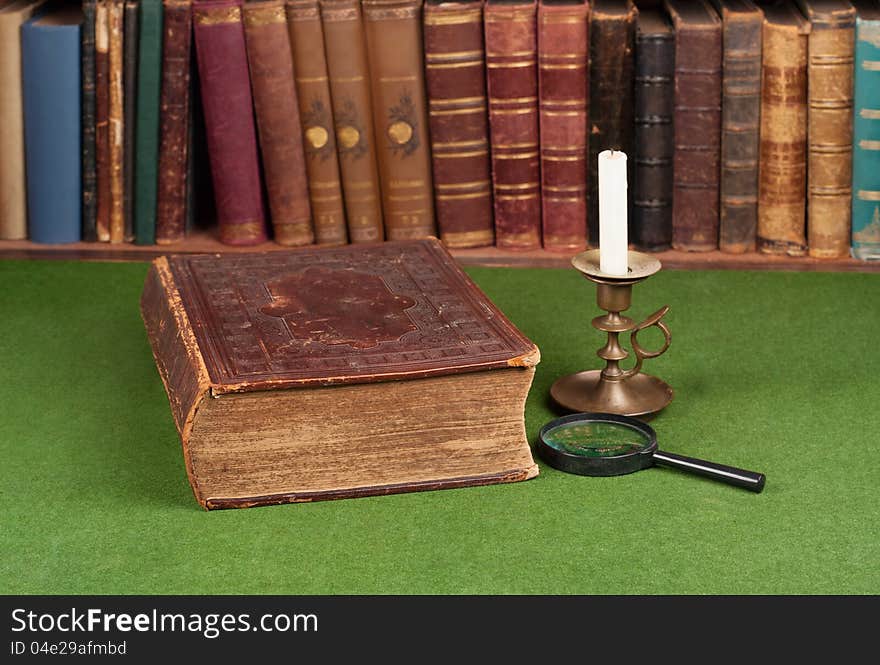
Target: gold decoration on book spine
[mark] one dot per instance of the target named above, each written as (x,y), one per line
(348,136)
(340,10)
(439,17)
(318,137)
(216,15)
(250,230)
(300,10)
(257,15)
(400,132)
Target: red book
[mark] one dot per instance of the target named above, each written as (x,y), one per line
(229,121)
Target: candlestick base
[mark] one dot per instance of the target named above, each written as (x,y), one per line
(638,395)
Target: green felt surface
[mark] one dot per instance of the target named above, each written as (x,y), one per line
(777,372)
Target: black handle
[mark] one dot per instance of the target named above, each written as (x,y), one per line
(749,480)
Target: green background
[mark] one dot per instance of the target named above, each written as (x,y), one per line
(777,372)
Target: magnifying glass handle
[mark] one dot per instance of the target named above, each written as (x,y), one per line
(749,480)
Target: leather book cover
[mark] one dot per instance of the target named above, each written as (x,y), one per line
(129,103)
(612,60)
(306,38)
(324,323)
(742,25)
(173,121)
(346,51)
(87,104)
(149,81)
(782,164)
(229,120)
(395,55)
(455,76)
(512,86)
(696,170)
(829,125)
(116,119)
(271,66)
(102,120)
(654,143)
(563,76)
(866,133)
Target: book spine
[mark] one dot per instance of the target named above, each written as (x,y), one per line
(697,122)
(130,68)
(455,71)
(102,120)
(654,140)
(349,74)
(149,80)
(116,121)
(563,57)
(829,132)
(229,121)
(51,81)
(782,174)
(740,121)
(306,38)
(271,66)
(89,173)
(512,85)
(866,152)
(395,55)
(173,121)
(612,45)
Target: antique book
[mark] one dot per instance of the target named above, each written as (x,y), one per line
(455,75)
(116,119)
(50,47)
(866,137)
(102,120)
(782,164)
(87,104)
(349,73)
(316,116)
(395,56)
(270,61)
(612,42)
(829,125)
(149,81)
(697,120)
(13,190)
(563,76)
(742,24)
(337,372)
(229,120)
(129,105)
(654,143)
(512,86)
(174,122)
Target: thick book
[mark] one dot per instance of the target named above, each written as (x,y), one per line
(455,74)
(654,144)
(327,373)
(116,118)
(316,116)
(512,86)
(349,74)
(829,125)
(13,189)
(87,136)
(149,82)
(782,176)
(563,94)
(742,25)
(866,133)
(612,60)
(396,62)
(270,61)
(129,106)
(50,47)
(102,120)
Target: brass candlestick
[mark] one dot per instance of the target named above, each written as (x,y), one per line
(613,389)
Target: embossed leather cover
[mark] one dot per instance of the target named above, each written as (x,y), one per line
(87,101)
(102,120)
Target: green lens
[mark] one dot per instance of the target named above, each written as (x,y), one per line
(596,439)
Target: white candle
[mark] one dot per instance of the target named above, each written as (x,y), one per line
(612,212)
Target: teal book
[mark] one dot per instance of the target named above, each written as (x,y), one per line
(866,133)
(149,78)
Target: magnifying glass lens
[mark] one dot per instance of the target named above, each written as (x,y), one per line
(596,439)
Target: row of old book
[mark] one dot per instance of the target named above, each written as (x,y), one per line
(335,121)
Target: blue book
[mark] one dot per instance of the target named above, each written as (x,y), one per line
(50,68)
(866,133)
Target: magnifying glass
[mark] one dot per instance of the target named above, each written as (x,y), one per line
(604,444)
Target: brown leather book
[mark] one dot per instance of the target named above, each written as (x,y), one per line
(349,72)
(270,61)
(327,373)
(116,120)
(87,134)
(316,115)
(563,58)
(395,53)
(512,84)
(829,125)
(783,158)
(102,119)
(695,197)
(174,121)
(455,73)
